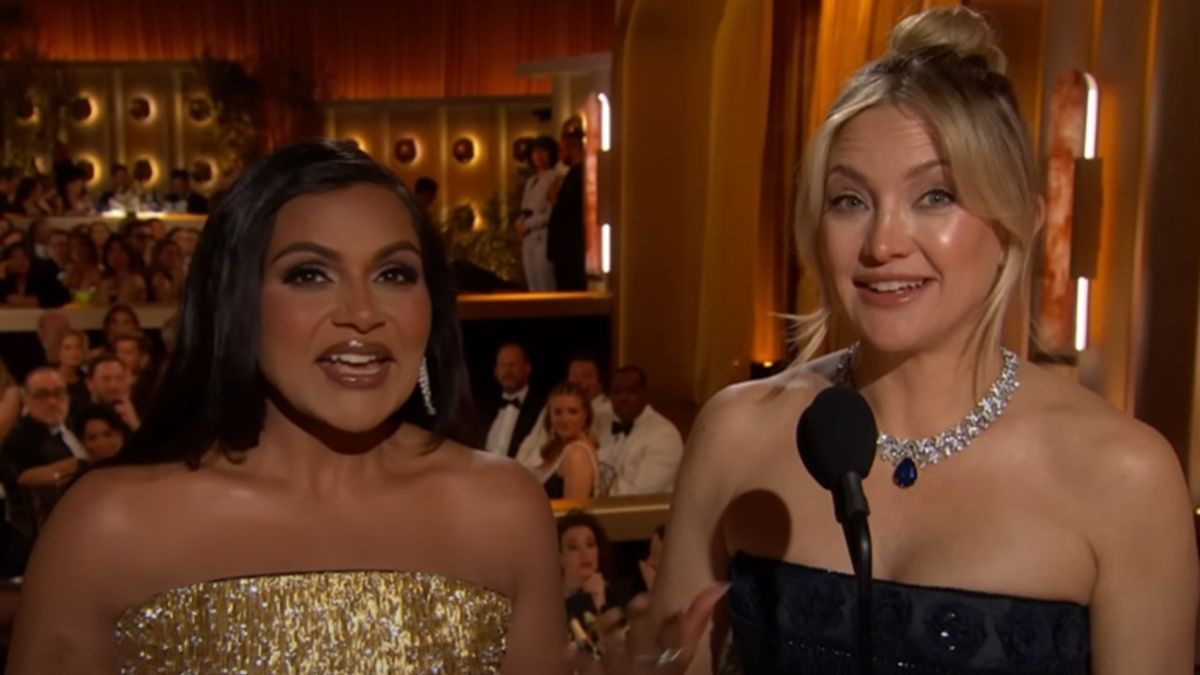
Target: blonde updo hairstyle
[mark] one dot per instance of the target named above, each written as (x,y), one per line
(944,67)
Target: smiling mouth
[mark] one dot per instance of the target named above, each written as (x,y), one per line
(893,286)
(356,365)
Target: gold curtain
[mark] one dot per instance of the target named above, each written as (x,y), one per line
(366,49)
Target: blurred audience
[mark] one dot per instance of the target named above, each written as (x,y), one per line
(40,449)
(565,240)
(101,430)
(642,447)
(10,401)
(124,194)
(583,371)
(28,282)
(166,272)
(510,417)
(182,199)
(75,199)
(139,235)
(83,270)
(124,274)
(110,385)
(424,193)
(119,320)
(99,232)
(68,351)
(134,352)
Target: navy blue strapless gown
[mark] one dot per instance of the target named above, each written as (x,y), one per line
(797,620)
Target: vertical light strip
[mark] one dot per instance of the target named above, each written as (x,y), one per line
(1082,290)
(605,122)
(1093,112)
(606,248)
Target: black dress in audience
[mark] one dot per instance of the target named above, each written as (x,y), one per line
(28,445)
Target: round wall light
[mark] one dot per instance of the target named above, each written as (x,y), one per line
(463,150)
(405,150)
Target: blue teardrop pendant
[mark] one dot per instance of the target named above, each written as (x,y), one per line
(906,473)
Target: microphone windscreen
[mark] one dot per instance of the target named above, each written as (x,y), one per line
(836,435)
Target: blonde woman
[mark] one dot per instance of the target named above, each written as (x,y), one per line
(1054,534)
(569,468)
(70,349)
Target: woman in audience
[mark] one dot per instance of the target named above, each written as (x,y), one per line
(28,282)
(1050,533)
(76,201)
(12,236)
(569,468)
(166,272)
(83,271)
(101,430)
(535,214)
(315,396)
(70,349)
(124,275)
(100,233)
(586,560)
(10,401)
(118,320)
(30,199)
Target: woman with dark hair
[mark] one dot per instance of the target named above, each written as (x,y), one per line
(586,560)
(28,282)
(30,199)
(298,495)
(120,319)
(124,274)
(76,201)
(569,468)
(166,272)
(535,214)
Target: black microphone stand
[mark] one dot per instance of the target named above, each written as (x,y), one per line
(852,513)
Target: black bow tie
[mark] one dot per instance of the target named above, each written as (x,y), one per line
(505,402)
(619,428)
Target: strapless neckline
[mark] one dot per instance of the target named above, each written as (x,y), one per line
(338,621)
(812,569)
(794,618)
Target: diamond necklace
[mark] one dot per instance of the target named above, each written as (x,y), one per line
(910,454)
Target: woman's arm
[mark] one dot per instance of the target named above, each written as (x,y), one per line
(538,630)
(64,621)
(1143,608)
(578,472)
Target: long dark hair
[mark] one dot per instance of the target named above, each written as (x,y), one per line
(213,394)
(579,518)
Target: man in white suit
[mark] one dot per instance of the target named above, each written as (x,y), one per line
(641,449)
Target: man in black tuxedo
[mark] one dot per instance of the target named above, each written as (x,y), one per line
(510,417)
(564,232)
(40,454)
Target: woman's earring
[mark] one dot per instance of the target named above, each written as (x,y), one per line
(426,389)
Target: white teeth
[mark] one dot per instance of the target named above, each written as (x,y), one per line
(354,359)
(895,286)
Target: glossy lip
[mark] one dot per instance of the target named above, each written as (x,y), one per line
(892,299)
(354,376)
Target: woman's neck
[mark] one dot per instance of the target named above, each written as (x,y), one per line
(919,394)
(313,457)
(70,374)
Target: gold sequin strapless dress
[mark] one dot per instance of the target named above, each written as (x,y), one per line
(348,623)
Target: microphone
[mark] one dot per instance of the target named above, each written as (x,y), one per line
(836,436)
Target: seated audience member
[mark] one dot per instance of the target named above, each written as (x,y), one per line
(187,238)
(69,350)
(83,269)
(40,231)
(125,193)
(101,430)
(28,282)
(120,320)
(139,234)
(642,448)
(424,193)
(583,372)
(124,274)
(569,468)
(31,198)
(41,449)
(510,417)
(51,324)
(110,385)
(166,272)
(181,198)
(60,251)
(587,569)
(10,401)
(75,199)
(99,232)
(134,352)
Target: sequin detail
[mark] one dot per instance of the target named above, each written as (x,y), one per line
(350,623)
